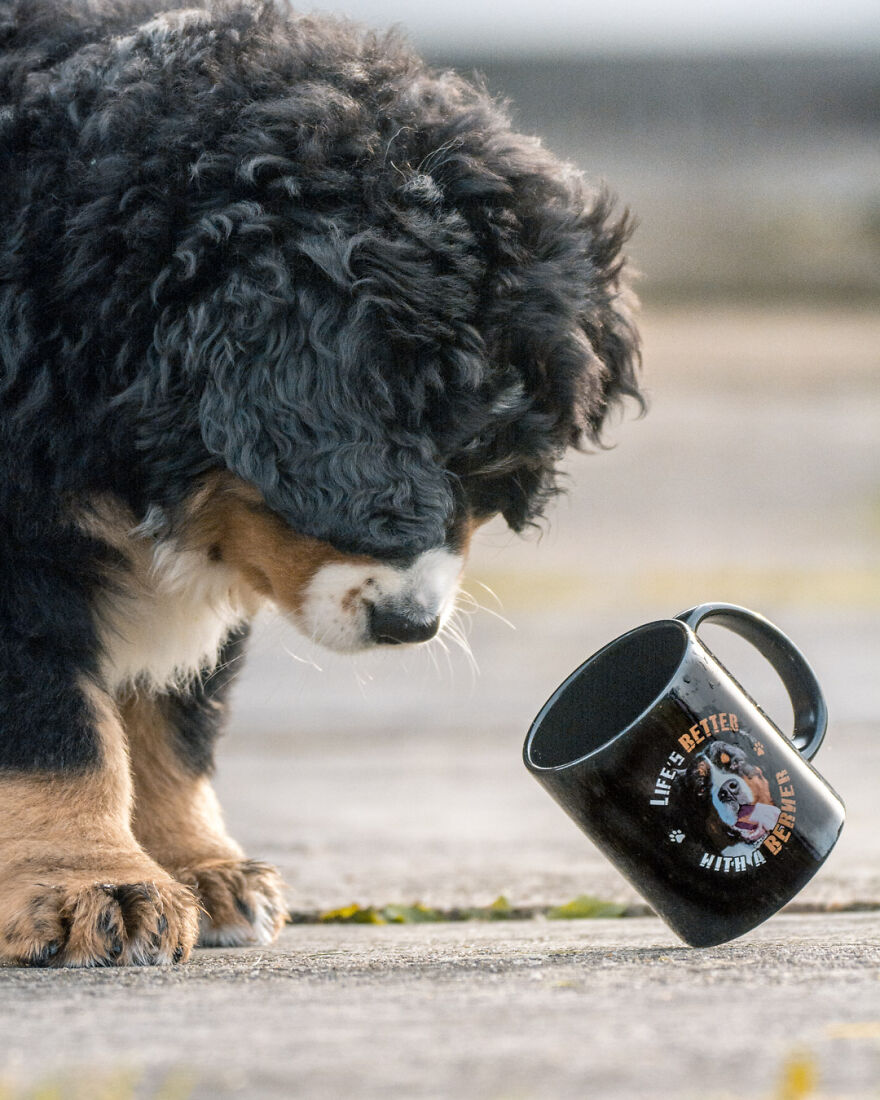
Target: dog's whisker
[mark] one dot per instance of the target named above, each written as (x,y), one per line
(302,660)
(489,611)
(224,666)
(459,630)
(500,618)
(466,603)
(448,657)
(431,650)
(466,649)
(464,616)
(491,591)
(455,632)
(361,674)
(475,605)
(361,679)
(318,637)
(472,665)
(464,624)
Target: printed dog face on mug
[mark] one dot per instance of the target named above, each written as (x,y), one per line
(730,792)
(724,797)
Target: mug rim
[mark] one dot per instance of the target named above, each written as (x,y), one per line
(683,628)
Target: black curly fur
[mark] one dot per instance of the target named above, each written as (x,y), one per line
(282,245)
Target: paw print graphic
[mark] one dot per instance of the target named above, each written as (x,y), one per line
(676,836)
(759,748)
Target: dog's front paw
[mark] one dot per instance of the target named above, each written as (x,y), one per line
(86,923)
(242,901)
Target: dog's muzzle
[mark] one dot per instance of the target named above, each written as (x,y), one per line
(350,607)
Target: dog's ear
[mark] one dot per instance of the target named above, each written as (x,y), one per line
(608,319)
(699,778)
(562,303)
(609,373)
(758,782)
(291,398)
(585,334)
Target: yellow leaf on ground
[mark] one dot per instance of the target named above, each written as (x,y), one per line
(799,1077)
(353,914)
(586,907)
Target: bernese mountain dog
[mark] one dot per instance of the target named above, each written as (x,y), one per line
(285,314)
(729,800)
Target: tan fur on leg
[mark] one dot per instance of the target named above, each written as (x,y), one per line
(76,889)
(177,818)
(242,901)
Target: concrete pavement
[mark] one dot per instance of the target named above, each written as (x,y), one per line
(504,1011)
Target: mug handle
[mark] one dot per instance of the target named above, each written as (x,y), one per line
(807,701)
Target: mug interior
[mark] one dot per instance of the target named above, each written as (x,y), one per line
(607,694)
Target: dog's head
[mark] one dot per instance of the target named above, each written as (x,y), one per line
(729,791)
(386,316)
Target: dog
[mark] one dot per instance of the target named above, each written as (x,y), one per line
(732,799)
(285,315)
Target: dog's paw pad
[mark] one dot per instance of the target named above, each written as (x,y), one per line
(242,901)
(102,924)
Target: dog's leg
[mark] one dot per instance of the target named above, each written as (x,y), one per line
(177,816)
(76,889)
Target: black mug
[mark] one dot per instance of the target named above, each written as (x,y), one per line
(679,777)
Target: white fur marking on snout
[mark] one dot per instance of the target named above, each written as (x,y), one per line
(336,608)
(725,810)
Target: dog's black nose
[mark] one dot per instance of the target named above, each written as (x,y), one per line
(393,627)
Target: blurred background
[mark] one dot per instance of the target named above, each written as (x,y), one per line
(745,139)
